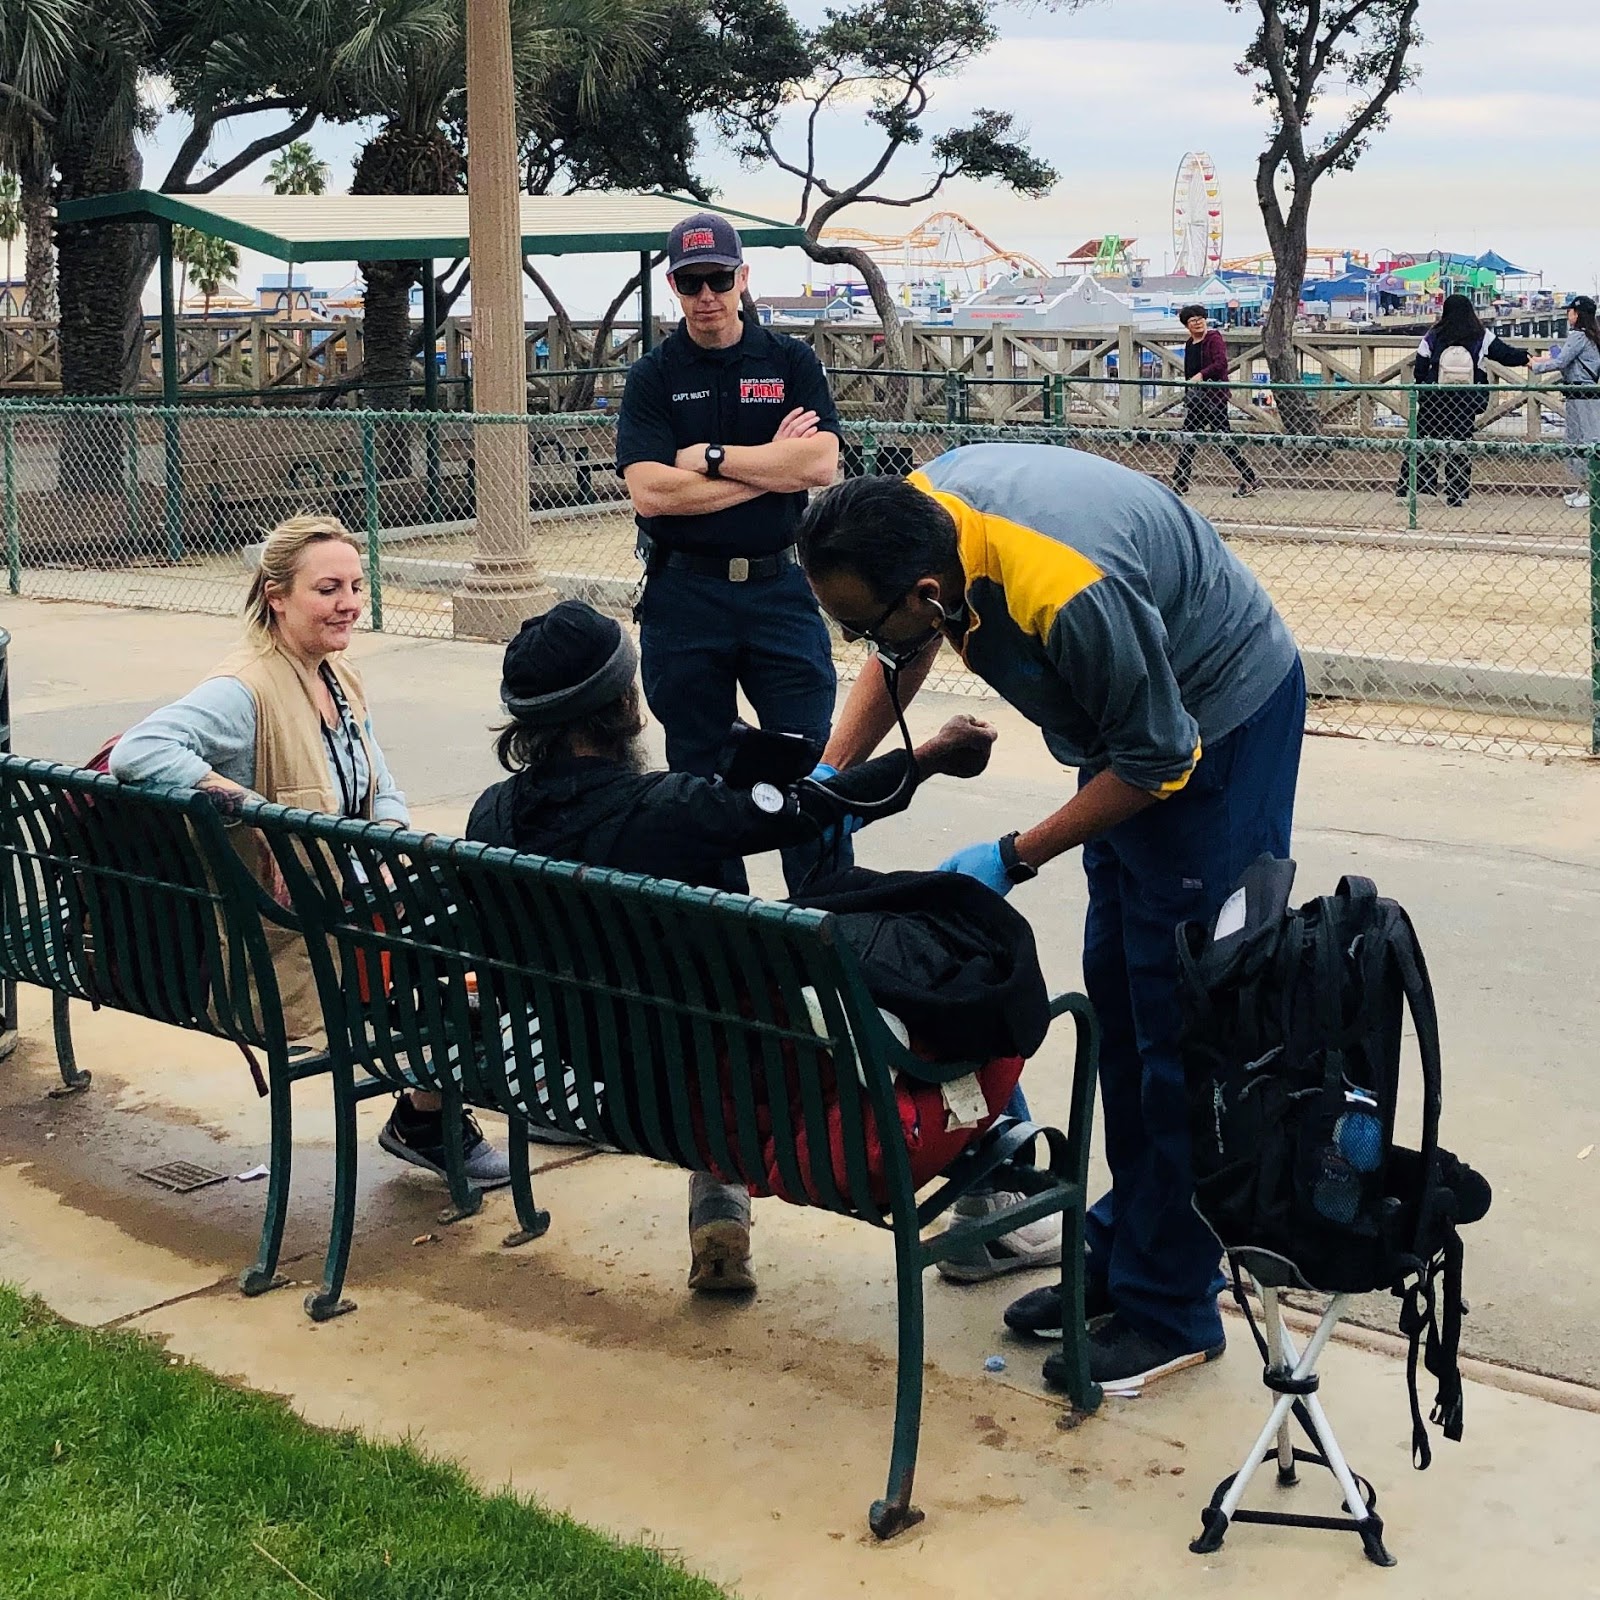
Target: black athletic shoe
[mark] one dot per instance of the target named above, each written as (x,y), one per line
(418,1137)
(1037,1314)
(1246,490)
(1124,1358)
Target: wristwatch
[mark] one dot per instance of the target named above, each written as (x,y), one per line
(1016,869)
(715,456)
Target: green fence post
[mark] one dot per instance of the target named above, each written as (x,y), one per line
(1411,461)
(172,447)
(869,453)
(952,396)
(8,449)
(369,483)
(1594,600)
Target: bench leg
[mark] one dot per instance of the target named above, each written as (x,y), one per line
(895,1513)
(1084,1393)
(534,1222)
(72,1079)
(465,1200)
(264,1274)
(328,1302)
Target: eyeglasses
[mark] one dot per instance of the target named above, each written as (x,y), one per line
(689,284)
(869,631)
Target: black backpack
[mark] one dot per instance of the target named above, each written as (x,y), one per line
(1291,1037)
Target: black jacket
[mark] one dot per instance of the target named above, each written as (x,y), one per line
(662,824)
(946,955)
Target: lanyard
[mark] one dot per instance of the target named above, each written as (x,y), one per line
(349,799)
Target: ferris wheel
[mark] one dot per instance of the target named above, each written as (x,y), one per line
(1196,217)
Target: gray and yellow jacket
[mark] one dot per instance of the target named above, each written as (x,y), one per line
(1105,610)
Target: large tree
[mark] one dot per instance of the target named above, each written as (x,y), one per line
(87,77)
(890,53)
(405,63)
(1356,55)
(640,132)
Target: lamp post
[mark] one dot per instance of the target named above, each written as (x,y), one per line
(503,586)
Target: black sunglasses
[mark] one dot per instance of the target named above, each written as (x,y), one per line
(689,284)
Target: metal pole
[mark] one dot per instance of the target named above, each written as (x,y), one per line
(647,314)
(369,485)
(430,389)
(430,338)
(503,587)
(1411,461)
(1594,600)
(8,449)
(171,445)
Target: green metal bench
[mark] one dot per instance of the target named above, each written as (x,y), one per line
(133,898)
(667,1021)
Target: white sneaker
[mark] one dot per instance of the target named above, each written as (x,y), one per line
(1034,1244)
(1578,501)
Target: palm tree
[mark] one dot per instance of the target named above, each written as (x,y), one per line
(297,169)
(214,262)
(10,226)
(406,63)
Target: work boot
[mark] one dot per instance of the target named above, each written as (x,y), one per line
(719,1235)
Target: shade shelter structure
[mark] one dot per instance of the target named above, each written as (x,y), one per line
(303,228)
(306,228)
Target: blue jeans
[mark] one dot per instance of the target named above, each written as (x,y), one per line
(1175,862)
(703,639)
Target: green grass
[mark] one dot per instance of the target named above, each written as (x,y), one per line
(123,1475)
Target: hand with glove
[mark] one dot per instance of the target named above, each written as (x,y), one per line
(983,862)
(852,823)
(960,749)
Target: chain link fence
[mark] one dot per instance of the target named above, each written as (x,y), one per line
(1443,592)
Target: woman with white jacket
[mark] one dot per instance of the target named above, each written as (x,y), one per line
(1577,359)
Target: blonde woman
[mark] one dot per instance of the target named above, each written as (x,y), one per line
(285,717)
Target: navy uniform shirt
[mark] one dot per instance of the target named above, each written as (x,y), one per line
(680,394)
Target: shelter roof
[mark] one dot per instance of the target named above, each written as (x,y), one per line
(348,227)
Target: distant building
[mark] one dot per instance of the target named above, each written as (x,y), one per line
(278,295)
(1081,301)
(11,297)
(804,308)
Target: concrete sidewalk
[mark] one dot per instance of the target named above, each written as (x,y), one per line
(752,1437)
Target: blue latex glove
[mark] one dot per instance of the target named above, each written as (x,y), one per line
(852,824)
(981,861)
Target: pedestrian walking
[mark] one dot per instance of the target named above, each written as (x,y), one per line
(1205,401)
(1577,359)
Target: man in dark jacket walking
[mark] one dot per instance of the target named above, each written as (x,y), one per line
(580,790)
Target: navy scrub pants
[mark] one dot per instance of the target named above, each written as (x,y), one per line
(1175,862)
(701,639)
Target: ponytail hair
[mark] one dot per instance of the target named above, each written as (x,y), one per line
(281,555)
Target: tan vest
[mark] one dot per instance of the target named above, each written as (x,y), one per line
(292,770)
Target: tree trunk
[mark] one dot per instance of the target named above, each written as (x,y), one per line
(39,260)
(102,270)
(897,391)
(580,397)
(386,337)
(1287,236)
(566,334)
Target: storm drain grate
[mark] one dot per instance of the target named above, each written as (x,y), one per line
(182,1177)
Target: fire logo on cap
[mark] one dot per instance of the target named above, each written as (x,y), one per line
(699,239)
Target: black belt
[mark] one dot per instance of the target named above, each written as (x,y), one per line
(736,569)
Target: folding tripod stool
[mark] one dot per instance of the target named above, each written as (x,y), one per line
(1292,1377)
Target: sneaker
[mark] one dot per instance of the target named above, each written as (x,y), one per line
(719,1235)
(1034,1244)
(1578,501)
(1122,1358)
(1246,490)
(1037,1314)
(418,1137)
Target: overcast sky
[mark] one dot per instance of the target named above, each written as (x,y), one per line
(1498,145)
